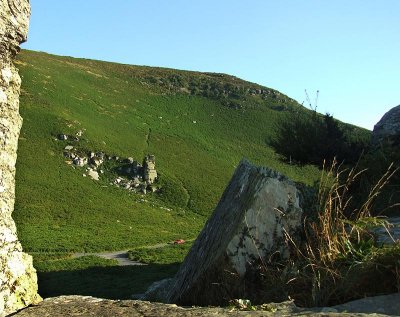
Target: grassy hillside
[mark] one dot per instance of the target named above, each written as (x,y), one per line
(198,126)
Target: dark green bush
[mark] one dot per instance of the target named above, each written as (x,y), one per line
(308,137)
(375,163)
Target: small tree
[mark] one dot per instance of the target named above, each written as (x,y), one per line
(308,137)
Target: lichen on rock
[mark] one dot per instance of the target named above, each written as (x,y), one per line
(257,214)
(18,282)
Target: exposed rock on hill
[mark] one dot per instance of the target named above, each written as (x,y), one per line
(133,176)
(387,130)
(256,213)
(18,284)
(150,173)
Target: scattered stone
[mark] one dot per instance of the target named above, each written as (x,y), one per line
(136,182)
(96,161)
(133,176)
(80,161)
(93,174)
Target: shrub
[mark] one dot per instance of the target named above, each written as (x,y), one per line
(375,163)
(308,137)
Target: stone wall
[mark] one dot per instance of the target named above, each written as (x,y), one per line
(72,306)
(18,284)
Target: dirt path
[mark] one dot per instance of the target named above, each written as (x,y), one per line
(120,256)
(123,260)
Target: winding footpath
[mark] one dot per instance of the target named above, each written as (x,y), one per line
(121,256)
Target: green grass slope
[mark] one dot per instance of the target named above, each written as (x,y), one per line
(198,126)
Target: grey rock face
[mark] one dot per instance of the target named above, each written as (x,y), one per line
(388,129)
(18,283)
(256,212)
(150,173)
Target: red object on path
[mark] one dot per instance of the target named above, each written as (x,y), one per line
(179,241)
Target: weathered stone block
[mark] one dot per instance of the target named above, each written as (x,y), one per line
(259,209)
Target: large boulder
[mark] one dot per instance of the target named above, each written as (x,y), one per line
(257,213)
(387,130)
(18,282)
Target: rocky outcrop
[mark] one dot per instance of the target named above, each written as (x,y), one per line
(387,130)
(18,284)
(258,211)
(150,173)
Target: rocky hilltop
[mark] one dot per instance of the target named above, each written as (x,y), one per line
(18,284)
(387,130)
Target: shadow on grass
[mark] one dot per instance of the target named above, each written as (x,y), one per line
(114,282)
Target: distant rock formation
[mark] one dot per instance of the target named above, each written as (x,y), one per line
(133,176)
(387,130)
(150,173)
(18,282)
(259,209)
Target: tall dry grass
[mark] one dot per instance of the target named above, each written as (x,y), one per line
(339,259)
(337,245)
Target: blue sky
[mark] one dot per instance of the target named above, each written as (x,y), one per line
(348,50)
